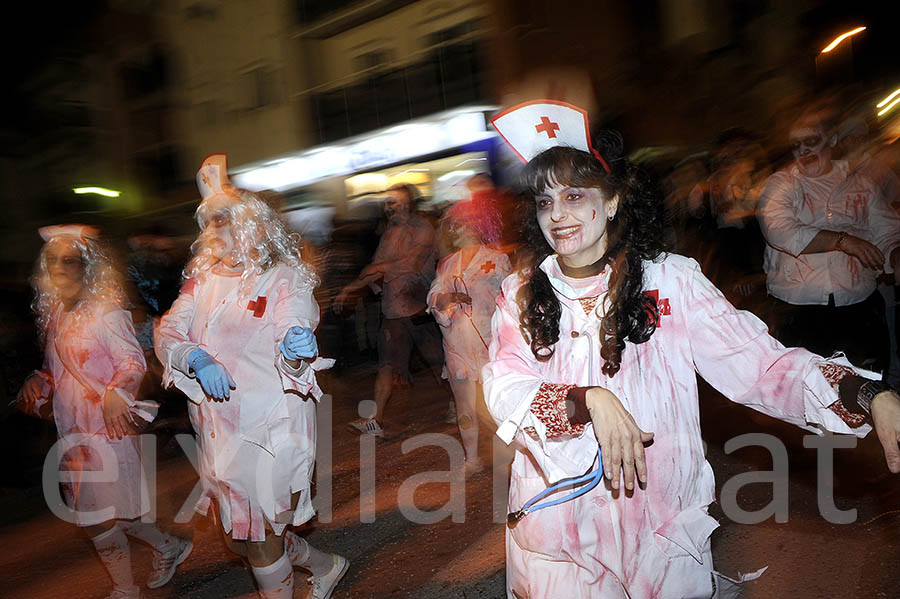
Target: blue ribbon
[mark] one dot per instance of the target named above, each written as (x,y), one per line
(591,478)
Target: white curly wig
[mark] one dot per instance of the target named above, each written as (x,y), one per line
(100,278)
(261,240)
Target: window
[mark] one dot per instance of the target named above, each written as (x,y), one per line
(260,87)
(145,74)
(208,112)
(373,59)
(452,33)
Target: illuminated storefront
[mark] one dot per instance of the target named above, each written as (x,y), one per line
(436,153)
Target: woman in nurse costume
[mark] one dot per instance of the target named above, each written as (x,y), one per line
(239,343)
(462,300)
(93,366)
(597,342)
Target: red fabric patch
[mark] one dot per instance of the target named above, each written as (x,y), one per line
(549,406)
(188,286)
(258,307)
(833,373)
(488,267)
(662,305)
(588,303)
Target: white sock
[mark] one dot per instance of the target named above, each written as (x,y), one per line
(275,581)
(112,547)
(304,555)
(148,533)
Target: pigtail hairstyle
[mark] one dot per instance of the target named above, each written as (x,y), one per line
(634,235)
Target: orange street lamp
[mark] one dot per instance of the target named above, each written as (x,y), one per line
(891,101)
(834,43)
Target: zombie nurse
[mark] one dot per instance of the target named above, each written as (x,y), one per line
(93,366)
(596,345)
(239,343)
(461,299)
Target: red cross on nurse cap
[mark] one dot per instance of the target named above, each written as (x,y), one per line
(212,178)
(532,127)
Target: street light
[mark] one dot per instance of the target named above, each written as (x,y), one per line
(100,191)
(888,102)
(834,43)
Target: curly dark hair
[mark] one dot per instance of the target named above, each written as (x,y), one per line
(635,234)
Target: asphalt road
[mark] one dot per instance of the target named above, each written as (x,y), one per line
(462,555)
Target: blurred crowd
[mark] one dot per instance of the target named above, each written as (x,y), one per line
(804,232)
(714,197)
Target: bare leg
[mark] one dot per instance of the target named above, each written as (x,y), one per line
(384,384)
(465,392)
(265,553)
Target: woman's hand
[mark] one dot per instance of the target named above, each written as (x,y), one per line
(116,417)
(30,393)
(621,441)
(886,416)
(445,300)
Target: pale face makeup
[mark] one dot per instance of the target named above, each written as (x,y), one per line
(574,222)
(66,269)
(217,232)
(811,150)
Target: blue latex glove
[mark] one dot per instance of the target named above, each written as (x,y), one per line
(213,377)
(299,342)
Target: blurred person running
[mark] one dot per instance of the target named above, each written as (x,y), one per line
(462,301)
(239,343)
(93,367)
(405,263)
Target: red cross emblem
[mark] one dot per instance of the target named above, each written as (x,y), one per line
(662,305)
(487,267)
(547,126)
(258,307)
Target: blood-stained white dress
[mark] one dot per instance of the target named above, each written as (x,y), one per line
(89,351)
(466,328)
(258,447)
(654,544)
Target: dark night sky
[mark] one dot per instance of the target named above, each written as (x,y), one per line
(35,32)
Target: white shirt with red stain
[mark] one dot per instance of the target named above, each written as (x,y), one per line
(90,351)
(794,209)
(407,254)
(655,542)
(257,447)
(466,328)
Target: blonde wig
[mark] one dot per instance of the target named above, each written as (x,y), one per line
(100,279)
(261,241)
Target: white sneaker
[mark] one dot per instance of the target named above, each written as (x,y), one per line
(133,593)
(367,426)
(164,563)
(323,586)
